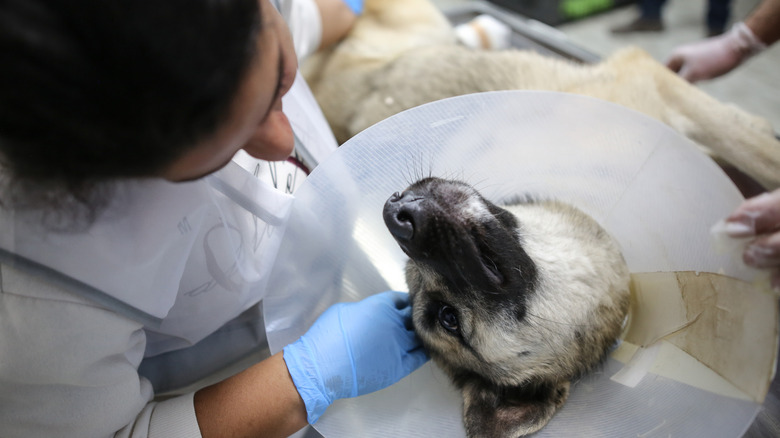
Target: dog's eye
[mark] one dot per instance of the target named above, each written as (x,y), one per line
(448,318)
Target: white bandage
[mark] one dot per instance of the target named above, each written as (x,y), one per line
(484,32)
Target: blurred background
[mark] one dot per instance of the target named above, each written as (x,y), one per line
(753,86)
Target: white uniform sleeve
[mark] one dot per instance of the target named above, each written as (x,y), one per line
(305,23)
(69,369)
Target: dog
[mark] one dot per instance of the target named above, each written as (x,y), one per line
(512,302)
(403,53)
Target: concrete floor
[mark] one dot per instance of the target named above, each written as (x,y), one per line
(753,86)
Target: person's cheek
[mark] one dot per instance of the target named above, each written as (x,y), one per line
(273,140)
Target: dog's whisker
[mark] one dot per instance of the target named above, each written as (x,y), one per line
(478,185)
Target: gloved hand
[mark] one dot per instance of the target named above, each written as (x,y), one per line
(355,5)
(715,56)
(354,349)
(760,217)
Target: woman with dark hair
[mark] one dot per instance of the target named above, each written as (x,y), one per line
(129,130)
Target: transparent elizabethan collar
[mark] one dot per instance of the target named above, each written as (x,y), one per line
(648,186)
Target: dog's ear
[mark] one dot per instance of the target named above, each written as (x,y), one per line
(510,412)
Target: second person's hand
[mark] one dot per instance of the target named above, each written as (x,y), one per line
(715,56)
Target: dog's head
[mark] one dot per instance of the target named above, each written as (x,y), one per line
(511,302)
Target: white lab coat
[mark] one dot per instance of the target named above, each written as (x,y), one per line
(180,265)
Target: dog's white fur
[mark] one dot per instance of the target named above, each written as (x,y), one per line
(403,53)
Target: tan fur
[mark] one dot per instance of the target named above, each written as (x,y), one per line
(553,311)
(402,53)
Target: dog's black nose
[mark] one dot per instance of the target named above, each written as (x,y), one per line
(402,215)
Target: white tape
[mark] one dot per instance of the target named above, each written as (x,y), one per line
(641,362)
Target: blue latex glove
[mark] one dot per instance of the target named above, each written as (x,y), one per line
(354,349)
(355,5)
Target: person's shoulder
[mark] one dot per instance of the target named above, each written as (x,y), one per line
(46,297)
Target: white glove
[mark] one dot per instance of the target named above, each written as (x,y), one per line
(715,56)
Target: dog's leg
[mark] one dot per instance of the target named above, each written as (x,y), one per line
(341,78)
(743,140)
(739,138)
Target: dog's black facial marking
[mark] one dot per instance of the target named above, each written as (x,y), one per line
(489,262)
(468,240)
(520,311)
(420,220)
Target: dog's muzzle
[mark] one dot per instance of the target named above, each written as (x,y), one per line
(403,216)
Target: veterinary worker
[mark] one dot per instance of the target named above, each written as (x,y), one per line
(719,55)
(135,237)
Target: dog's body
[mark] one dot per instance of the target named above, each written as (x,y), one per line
(513,303)
(402,53)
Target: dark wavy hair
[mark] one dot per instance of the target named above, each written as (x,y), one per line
(96,90)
